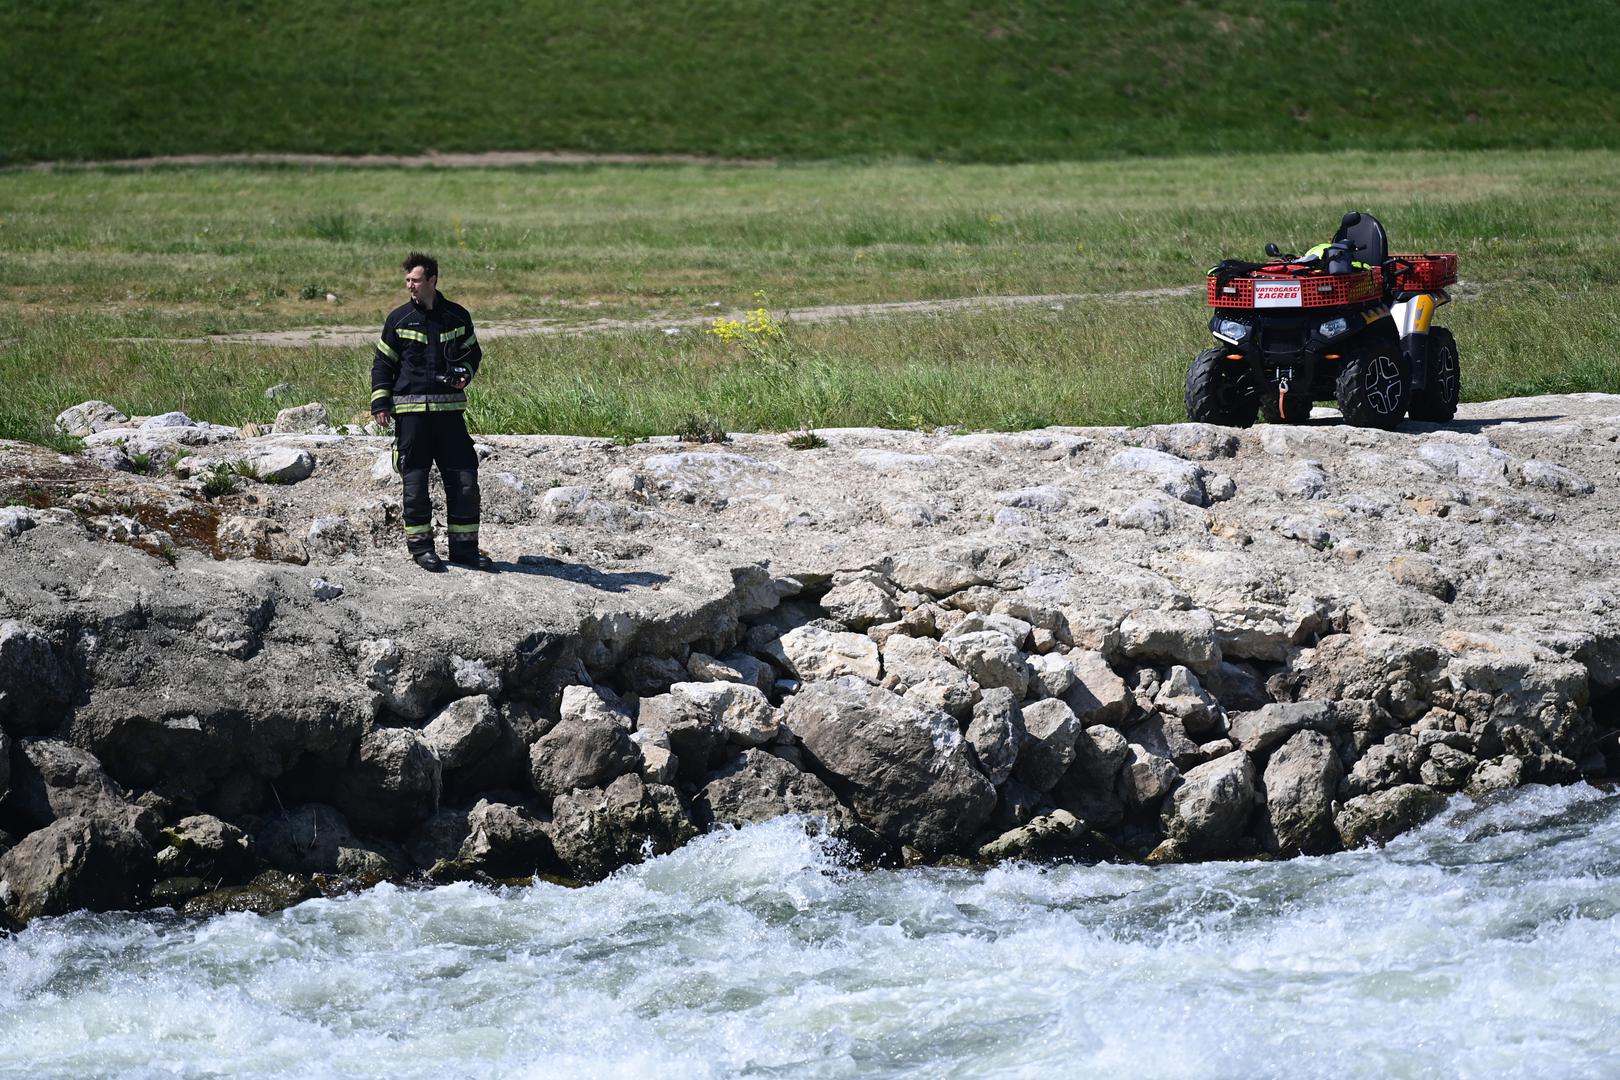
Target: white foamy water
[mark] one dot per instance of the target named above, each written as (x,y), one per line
(1485,945)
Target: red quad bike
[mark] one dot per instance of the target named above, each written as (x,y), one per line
(1347,321)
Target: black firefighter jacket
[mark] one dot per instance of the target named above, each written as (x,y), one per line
(414,354)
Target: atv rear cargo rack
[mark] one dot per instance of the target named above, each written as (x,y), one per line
(1424,273)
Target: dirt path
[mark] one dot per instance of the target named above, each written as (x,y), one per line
(494,159)
(346,336)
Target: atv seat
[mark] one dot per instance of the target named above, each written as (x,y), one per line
(1370,244)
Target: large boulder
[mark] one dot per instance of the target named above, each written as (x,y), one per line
(737,714)
(505,841)
(88,417)
(990,659)
(1182,637)
(1098,696)
(684,725)
(35,686)
(813,652)
(53,779)
(758,786)
(597,830)
(203,846)
(280,464)
(922,670)
(302,419)
(464,731)
(316,839)
(996,733)
(734,667)
(942,572)
(1208,812)
(1166,736)
(1051,676)
(1090,789)
(99,863)
(1050,729)
(408,684)
(859,600)
(1300,782)
(1182,695)
(904,768)
(393,783)
(1057,835)
(585,749)
(1145,778)
(477,749)
(1388,764)
(1447,768)
(580,702)
(1381,816)
(1263,730)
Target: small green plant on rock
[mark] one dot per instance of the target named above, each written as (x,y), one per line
(806,440)
(701,429)
(221,479)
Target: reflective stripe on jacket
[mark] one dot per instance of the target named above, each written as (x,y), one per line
(414,353)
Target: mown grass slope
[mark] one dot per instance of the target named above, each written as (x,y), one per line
(928,79)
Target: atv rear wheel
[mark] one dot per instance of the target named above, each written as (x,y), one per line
(1220,391)
(1375,383)
(1437,400)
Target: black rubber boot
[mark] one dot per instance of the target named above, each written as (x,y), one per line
(429,560)
(475,560)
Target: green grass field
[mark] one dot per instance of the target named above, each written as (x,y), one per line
(92,259)
(927,80)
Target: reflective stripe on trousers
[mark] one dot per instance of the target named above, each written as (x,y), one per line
(422,440)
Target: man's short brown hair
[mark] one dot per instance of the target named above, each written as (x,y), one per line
(428,263)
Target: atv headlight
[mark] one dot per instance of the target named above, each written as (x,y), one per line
(1333,328)
(1233,331)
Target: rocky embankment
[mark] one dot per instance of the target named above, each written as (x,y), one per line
(223,686)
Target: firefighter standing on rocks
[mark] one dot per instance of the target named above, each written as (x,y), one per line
(423,361)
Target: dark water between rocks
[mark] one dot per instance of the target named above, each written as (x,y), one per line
(1486,944)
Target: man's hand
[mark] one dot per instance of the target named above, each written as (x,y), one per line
(384,419)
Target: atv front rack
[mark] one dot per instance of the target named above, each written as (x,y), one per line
(1308,285)
(1295,285)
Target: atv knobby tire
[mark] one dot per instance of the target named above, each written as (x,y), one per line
(1437,401)
(1375,384)
(1220,391)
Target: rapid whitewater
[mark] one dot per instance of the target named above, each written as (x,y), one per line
(1486,943)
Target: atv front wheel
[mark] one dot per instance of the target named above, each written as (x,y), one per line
(1220,391)
(1375,383)
(1437,401)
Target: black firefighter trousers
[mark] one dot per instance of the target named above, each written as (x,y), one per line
(422,440)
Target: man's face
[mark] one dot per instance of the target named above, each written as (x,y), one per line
(419,285)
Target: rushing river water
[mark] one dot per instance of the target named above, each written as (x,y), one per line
(1486,944)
